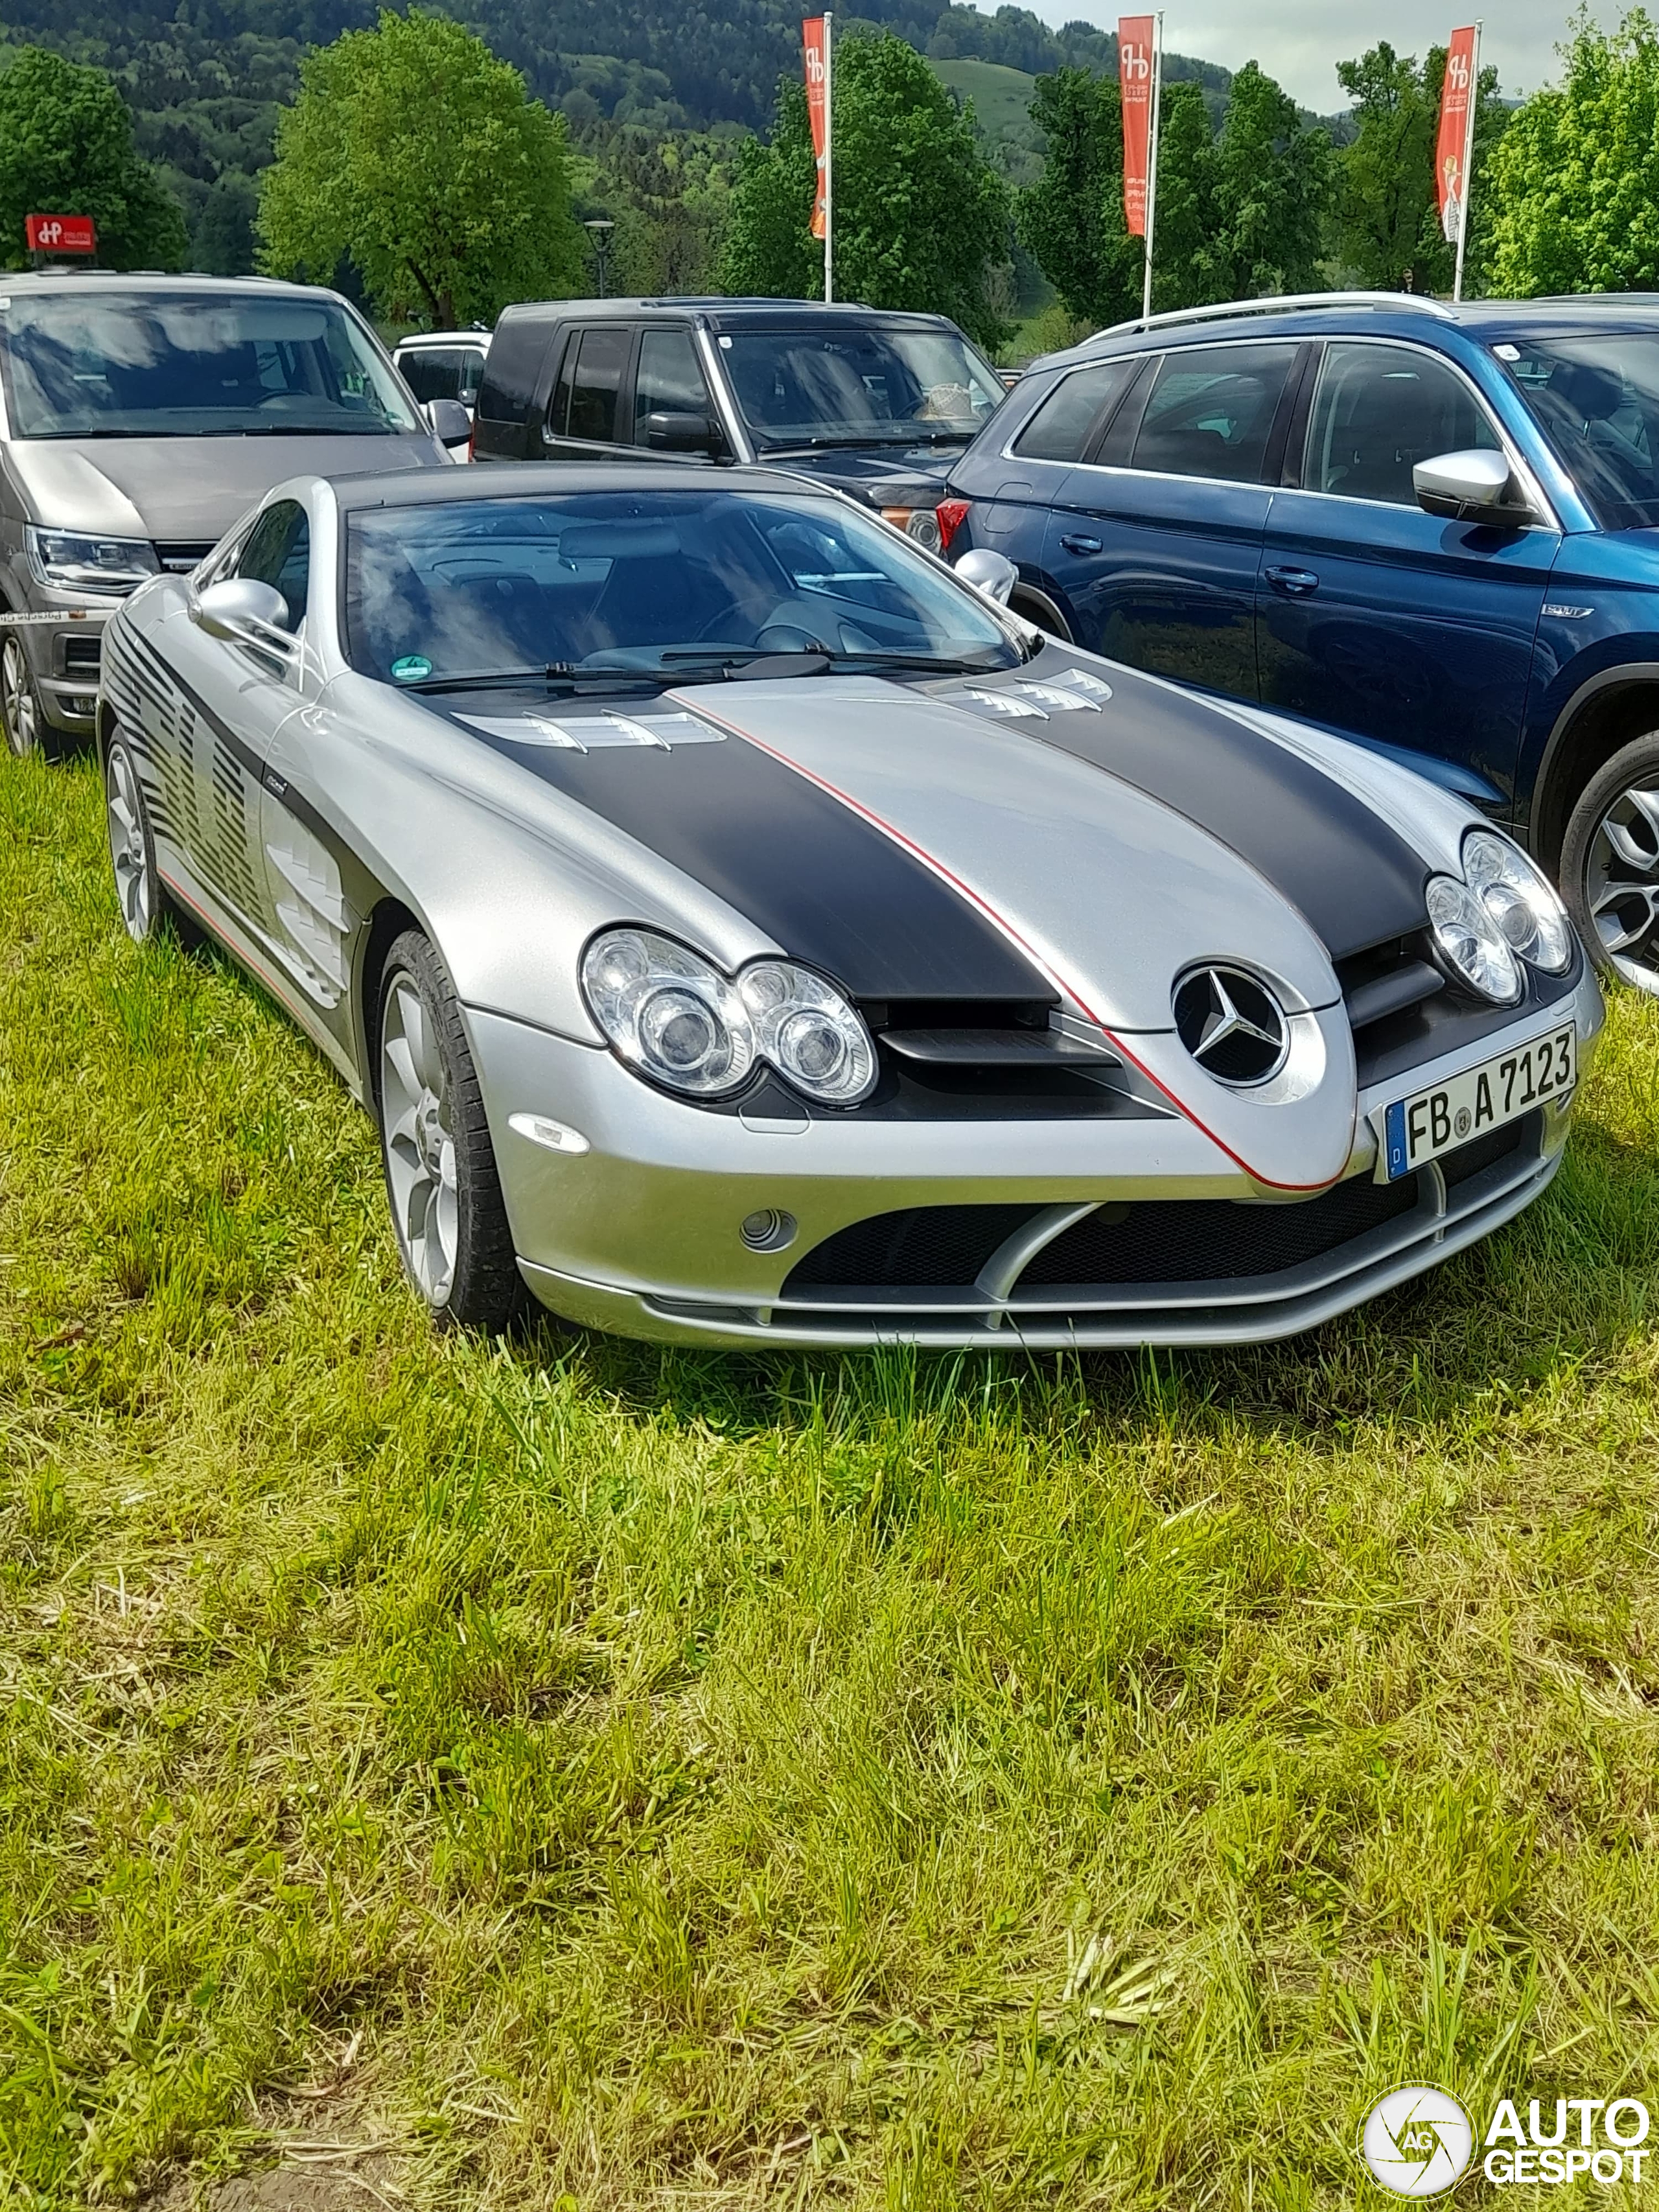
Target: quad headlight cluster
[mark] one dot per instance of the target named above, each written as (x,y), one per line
(677,1019)
(1500,912)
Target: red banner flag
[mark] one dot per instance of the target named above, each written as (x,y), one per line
(60,233)
(1134,76)
(812,37)
(1451,151)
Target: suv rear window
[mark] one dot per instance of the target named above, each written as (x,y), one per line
(1063,425)
(1211,412)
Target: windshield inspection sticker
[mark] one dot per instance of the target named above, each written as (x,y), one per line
(413,668)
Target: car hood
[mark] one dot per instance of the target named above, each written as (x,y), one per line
(1044,834)
(188,489)
(861,468)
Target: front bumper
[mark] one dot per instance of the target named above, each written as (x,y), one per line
(63,639)
(641,1233)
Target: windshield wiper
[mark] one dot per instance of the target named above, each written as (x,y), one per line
(552,676)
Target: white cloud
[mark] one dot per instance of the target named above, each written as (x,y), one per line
(1301,41)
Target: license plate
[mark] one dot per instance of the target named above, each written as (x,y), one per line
(1419,1129)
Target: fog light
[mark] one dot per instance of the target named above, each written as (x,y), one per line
(767,1230)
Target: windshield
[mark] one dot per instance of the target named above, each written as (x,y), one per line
(862,386)
(143,365)
(651,583)
(1596,399)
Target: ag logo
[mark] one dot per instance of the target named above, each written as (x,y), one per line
(1417,2141)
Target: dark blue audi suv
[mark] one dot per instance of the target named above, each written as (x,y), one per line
(1432,528)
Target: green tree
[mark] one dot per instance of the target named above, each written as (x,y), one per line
(416,154)
(1574,178)
(1071,221)
(1186,270)
(1273,190)
(66,148)
(920,217)
(1388,225)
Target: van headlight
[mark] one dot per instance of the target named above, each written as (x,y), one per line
(672,1015)
(68,561)
(1521,900)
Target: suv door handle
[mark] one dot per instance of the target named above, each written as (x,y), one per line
(1293,583)
(1075,544)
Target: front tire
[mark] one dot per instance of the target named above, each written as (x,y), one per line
(131,846)
(1610,865)
(20,702)
(441,1175)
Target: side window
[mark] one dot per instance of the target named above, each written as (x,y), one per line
(601,357)
(1065,423)
(471,367)
(1211,411)
(669,380)
(429,375)
(1380,408)
(278,551)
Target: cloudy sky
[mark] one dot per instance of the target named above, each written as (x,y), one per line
(1300,41)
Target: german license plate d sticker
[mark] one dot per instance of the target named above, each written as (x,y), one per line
(1420,1129)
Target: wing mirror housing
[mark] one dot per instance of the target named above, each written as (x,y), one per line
(992,575)
(669,431)
(1475,486)
(244,612)
(450,424)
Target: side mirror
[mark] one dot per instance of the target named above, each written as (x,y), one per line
(990,573)
(666,432)
(245,612)
(1475,486)
(451,423)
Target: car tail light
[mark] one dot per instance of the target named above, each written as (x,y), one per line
(952,513)
(472,440)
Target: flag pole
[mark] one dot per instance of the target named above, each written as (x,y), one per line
(1152,161)
(828,160)
(1468,161)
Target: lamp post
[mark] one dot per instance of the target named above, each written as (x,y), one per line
(598,229)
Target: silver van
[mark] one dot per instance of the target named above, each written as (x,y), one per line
(139,417)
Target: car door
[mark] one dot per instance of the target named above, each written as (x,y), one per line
(672,395)
(587,417)
(1155,538)
(248,694)
(1373,616)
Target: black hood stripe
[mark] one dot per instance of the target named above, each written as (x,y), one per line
(830,889)
(1355,880)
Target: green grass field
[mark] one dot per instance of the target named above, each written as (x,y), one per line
(590,1777)
(1001,97)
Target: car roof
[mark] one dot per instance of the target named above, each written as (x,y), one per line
(1395,314)
(55,279)
(722,313)
(478,338)
(528,479)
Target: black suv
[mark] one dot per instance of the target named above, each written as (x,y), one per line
(878,404)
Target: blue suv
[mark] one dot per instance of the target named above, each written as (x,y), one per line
(1429,528)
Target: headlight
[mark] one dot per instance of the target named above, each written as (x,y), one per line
(678,1020)
(1521,900)
(1467,934)
(809,1032)
(70,562)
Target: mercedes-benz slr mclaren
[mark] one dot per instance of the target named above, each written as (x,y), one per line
(744,931)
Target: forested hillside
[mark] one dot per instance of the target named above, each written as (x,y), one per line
(204,77)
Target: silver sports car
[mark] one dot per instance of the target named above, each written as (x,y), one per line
(743,931)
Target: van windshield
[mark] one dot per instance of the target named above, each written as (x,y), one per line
(145,365)
(858,386)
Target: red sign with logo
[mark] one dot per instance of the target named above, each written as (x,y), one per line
(1134,77)
(816,77)
(61,233)
(1451,151)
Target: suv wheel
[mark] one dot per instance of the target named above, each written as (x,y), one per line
(1610,865)
(440,1178)
(19,703)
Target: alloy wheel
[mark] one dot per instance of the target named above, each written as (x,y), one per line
(17,707)
(128,847)
(420,1140)
(1621,884)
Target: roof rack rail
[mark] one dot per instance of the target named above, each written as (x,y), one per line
(1284,303)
